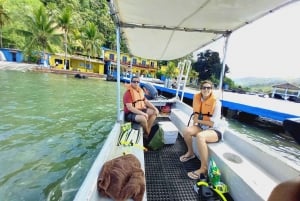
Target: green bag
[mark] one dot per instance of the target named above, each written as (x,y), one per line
(155,139)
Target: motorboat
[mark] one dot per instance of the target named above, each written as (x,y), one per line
(166,30)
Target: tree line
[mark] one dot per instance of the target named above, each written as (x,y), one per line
(71,26)
(77,27)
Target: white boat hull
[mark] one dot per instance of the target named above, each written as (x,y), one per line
(88,190)
(250,171)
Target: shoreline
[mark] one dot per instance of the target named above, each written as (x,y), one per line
(6,65)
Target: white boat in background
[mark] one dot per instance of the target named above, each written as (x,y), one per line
(166,30)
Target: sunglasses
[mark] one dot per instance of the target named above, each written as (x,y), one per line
(135,81)
(206,88)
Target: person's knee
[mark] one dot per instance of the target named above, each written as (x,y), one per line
(187,132)
(288,190)
(201,138)
(143,120)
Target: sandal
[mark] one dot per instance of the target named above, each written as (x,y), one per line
(194,175)
(185,158)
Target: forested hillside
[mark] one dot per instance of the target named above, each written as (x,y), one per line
(57,25)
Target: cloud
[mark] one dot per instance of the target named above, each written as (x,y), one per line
(269,47)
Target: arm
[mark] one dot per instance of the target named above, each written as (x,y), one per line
(151,106)
(134,110)
(195,117)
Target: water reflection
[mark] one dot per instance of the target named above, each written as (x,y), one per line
(51,129)
(269,136)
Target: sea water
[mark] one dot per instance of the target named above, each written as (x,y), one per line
(53,126)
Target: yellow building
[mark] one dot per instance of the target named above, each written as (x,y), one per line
(107,64)
(77,63)
(140,66)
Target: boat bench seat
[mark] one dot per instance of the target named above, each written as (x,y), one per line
(237,171)
(241,173)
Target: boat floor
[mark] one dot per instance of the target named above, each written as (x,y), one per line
(166,176)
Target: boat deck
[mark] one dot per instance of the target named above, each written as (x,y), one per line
(166,176)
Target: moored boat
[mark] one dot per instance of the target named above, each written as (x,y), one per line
(292,127)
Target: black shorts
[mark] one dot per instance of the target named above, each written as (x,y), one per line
(219,134)
(131,116)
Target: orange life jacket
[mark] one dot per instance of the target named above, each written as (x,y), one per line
(206,108)
(138,97)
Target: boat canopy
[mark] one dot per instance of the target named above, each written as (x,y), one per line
(171,29)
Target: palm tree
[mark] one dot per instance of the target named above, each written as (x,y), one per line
(41,32)
(92,40)
(171,70)
(4,18)
(65,22)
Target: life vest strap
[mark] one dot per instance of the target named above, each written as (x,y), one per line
(133,103)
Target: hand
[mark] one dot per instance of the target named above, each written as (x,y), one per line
(156,111)
(145,115)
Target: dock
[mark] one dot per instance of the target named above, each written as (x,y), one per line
(270,108)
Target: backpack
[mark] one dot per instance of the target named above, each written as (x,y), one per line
(155,139)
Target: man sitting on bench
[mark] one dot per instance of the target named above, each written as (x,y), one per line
(137,108)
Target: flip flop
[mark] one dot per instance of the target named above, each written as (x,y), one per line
(184,158)
(193,175)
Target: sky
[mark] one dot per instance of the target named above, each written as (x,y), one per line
(269,47)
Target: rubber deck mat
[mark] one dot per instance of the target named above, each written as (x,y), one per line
(166,176)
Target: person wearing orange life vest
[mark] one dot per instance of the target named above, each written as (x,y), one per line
(206,127)
(137,108)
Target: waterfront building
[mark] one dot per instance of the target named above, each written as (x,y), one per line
(129,64)
(9,54)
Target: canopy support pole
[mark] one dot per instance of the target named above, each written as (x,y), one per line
(118,75)
(223,63)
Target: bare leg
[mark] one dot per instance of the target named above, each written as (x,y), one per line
(143,121)
(151,119)
(150,122)
(188,134)
(202,138)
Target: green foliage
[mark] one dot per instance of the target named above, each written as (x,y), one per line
(159,74)
(41,32)
(4,19)
(92,39)
(171,70)
(209,66)
(16,34)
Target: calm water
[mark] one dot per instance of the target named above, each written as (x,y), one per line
(53,126)
(51,129)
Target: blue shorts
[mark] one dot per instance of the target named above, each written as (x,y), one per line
(131,116)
